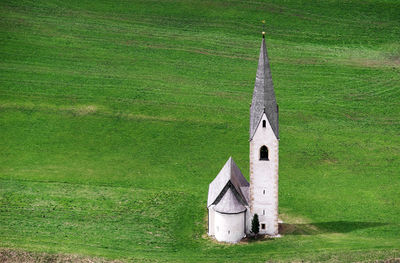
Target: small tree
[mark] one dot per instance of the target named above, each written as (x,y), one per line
(255,225)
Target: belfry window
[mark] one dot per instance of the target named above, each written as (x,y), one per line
(264,123)
(264,153)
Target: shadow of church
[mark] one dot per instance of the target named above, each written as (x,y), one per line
(325,227)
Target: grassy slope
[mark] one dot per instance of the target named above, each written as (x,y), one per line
(114,117)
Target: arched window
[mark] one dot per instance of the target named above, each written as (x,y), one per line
(264,123)
(264,153)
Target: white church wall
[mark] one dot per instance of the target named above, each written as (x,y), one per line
(229,227)
(248,221)
(211,220)
(264,178)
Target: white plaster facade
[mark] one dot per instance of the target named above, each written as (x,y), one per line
(264,178)
(229,228)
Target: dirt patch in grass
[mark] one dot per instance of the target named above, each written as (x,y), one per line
(325,227)
(330,161)
(85,110)
(392,61)
(302,61)
(297,229)
(258,238)
(11,256)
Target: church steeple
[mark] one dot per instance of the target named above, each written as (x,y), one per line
(232,201)
(264,95)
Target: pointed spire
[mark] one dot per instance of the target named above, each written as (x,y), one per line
(263,95)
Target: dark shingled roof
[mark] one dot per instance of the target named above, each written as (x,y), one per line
(263,95)
(229,191)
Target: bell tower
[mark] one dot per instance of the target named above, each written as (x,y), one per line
(264,148)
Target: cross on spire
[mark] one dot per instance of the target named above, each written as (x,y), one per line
(263,28)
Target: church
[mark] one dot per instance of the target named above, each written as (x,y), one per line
(232,201)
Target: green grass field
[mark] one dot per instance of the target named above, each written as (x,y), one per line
(116,115)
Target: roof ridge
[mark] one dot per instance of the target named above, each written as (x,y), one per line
(230,173)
